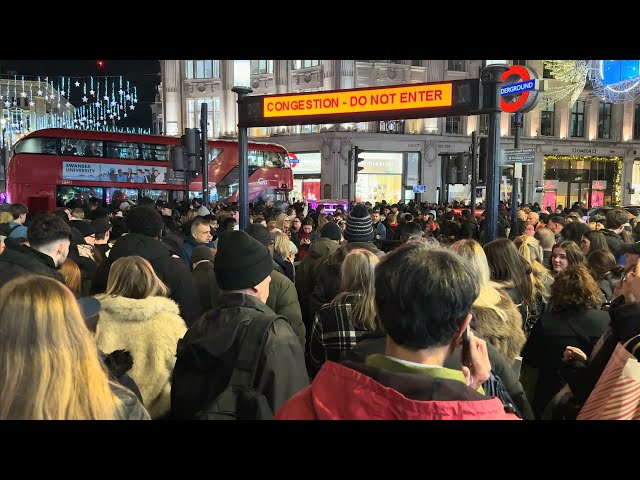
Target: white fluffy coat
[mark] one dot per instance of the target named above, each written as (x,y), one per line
(149,329)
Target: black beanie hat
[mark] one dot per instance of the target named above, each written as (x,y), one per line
(241,261)
(102,225)
(359,227)
(85,228)
(260,233)
(144,220)
(331,231)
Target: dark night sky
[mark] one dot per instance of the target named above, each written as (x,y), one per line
(143,74)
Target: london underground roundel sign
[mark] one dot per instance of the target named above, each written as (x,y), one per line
(520,90)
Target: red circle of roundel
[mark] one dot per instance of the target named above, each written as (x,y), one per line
(523,75)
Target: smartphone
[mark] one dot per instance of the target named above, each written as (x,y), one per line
(585,219)
(466,347)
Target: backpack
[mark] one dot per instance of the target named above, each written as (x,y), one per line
(5,229)
(239,400)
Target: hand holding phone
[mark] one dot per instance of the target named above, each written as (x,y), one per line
(476,366)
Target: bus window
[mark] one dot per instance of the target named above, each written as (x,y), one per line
(37,145)
(122,194)
(214,153)
(127,150)
(265,159)
(159,153)
(90,148)
(65,193)
(155,195)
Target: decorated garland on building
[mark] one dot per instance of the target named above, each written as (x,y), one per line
(617,179)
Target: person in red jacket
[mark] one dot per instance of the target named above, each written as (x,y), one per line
(423,299)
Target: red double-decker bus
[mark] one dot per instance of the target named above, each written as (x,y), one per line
(49,167)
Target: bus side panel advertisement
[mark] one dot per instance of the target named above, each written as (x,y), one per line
(109,172)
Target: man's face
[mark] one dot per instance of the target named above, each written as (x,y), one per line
(263,288)
(90,239)
(202,233)
(375,217)
(166,212)
(532,218)
(386,211)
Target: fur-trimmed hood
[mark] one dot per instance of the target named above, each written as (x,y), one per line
(137,310)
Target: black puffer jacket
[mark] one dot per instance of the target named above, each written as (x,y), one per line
(169,268)
(21,260)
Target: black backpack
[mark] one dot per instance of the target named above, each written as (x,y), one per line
(239,400)
(6,230)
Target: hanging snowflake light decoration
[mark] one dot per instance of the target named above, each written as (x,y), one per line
(615,81)
(569,79)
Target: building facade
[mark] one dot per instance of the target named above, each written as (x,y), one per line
(588,151)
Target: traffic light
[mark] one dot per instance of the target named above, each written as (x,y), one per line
(451,170)
(462,168)
(191,147)
(357,159)
(188,156)
(483,151)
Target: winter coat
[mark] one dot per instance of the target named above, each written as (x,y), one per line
(170,269)
(204,278)
(149,328)
(304,273)
(354,391)
(198,378)
(375,343)
(22,260)
(287,267)
(282,300)
(189,244)
(327,274)
(614,242)
(333,333)
(578,327)
(507,337)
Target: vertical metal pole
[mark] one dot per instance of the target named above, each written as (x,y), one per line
(243,160)
(474,172)
(187,181)
(491,81)
(205,155)
(349,167)
(515,182)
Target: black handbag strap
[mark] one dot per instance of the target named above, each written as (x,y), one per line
(244,371)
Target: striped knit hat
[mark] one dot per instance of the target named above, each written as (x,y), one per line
(359,227)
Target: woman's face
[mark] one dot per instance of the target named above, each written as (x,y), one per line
(585,245)
(559,260)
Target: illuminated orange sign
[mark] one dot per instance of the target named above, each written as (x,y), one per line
(353,101)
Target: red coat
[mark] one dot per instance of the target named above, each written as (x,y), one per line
(363,392)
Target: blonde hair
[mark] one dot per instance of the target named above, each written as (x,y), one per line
(134,277)
(280,219)
(72,277)
(281,243)
(541,278)
(489,297)
(357,273)
(77,213)
(50,369)
(6,217)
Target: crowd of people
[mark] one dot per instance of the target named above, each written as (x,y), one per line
(402,311)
